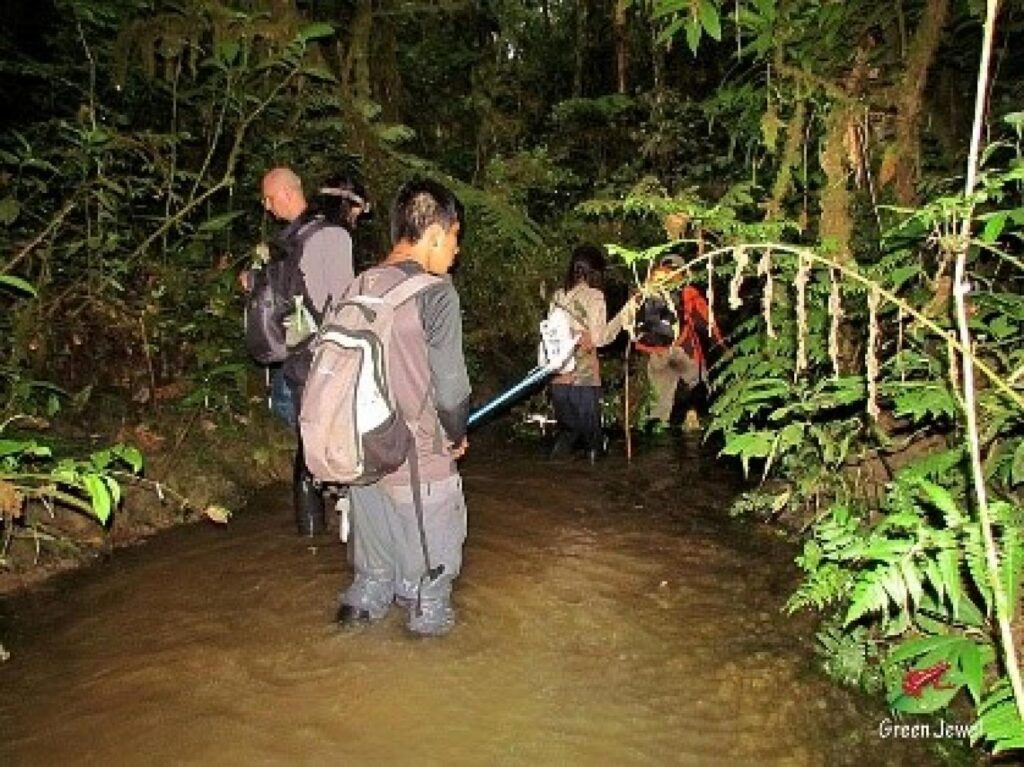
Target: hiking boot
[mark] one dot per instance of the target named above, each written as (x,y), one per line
(406,603)
(600,451)
(349,617)
(309,508)
(432,619)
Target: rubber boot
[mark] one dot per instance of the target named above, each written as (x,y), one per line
(309,503)
(564,444)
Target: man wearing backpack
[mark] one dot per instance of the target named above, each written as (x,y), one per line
(675,354)
(408,527)
(318,260)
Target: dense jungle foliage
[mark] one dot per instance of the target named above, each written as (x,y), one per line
(812,160)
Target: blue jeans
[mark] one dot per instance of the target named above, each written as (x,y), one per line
(282,398)
(578,411)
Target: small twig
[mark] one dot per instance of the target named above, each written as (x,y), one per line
(54,223)
(160,488)
(92,75)
(214,141)
(226,180)
(173,453)
(172,171)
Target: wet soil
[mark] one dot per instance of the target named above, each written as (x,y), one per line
(608,615)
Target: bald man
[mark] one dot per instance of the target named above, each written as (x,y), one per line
(325,269)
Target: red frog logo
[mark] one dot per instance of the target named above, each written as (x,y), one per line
(915,680)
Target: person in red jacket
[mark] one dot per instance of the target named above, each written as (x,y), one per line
(676,340)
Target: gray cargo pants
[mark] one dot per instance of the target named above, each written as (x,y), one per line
(387,554)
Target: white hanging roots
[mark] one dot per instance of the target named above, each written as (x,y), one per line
(871,358)
(803,273)
(835,313)
(764,269)
(954,367)
(735,302)
(899,343)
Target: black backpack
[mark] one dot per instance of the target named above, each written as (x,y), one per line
(272,298)
(657,325)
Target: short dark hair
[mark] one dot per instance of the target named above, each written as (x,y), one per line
(336,199)
(421,203)
(585,265)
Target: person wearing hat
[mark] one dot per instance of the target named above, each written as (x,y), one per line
(676,341)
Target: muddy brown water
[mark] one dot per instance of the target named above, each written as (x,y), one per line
(608,616)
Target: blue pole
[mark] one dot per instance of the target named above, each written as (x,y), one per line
(535,375)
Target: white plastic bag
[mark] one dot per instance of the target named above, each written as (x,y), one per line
(557,343)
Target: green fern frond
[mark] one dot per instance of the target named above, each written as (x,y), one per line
(822,587)
(974,556)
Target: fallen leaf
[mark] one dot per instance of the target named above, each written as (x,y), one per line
(217,514)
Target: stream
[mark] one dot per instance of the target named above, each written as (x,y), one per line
(608,615)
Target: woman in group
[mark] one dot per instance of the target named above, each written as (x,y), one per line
(576,392)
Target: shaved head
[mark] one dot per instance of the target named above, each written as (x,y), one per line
(282,178)
(282,193)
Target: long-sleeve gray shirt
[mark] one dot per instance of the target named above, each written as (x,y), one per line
(326,264)
(441,315)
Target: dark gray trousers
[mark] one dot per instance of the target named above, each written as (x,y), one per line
(387,553)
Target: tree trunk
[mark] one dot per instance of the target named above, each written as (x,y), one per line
(582,13)
(789,159)
(621,45)
(355,80)
(387,77)
(657,66)
(836,227)
(904,156)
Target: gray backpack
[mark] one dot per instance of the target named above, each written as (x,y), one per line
(352,430)
(276,286)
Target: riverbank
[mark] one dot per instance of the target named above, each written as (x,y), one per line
(192,461)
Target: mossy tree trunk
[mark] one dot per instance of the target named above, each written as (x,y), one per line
(902,164)
(355,79)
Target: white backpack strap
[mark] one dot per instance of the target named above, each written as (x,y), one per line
(409,287)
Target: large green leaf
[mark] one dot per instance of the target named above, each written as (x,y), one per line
(753,444)
(921,401)
(932,698)
(130,455)
(943,500)
(10,209)
(316,31)
(16,283)
(1017,468)
(1011,564)
(913,648)
(221,222)
(99,495)
(23,447)
(709,19)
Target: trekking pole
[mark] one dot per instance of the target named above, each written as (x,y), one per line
(534,376)
(557,347)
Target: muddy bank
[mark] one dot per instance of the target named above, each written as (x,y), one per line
(191,461)
(608,616)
